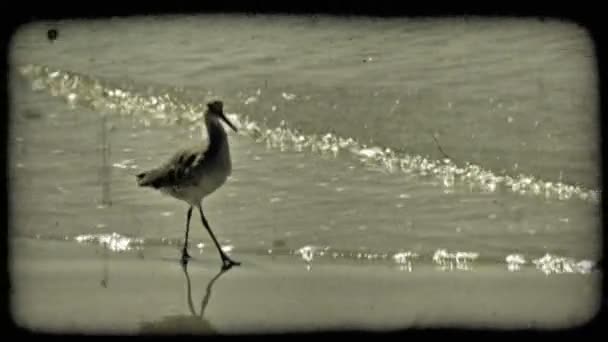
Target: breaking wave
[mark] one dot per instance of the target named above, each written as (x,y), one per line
(173,106)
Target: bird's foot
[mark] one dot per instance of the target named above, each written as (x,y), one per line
(228,263)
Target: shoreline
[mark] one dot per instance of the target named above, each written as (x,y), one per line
(59,287)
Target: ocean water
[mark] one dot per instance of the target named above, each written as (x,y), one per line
(393,141)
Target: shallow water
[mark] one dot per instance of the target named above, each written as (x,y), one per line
(512,104)
(65,287)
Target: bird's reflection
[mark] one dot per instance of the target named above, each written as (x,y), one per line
(205,300)
(193,323)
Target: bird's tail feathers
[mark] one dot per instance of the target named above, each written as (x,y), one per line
(149,178)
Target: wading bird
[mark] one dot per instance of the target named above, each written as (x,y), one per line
(196,172)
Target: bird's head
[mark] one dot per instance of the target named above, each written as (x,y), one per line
(216,109)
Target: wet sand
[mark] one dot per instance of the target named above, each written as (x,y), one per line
(59,287)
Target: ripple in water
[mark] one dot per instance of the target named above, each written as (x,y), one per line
(126,164)
(114,242)
(309,252)
(514,262)
(552,264)
(459,260)
(443,259)
(405,260)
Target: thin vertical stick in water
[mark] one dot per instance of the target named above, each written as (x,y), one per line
(104,279)
(441,149)
(105,168)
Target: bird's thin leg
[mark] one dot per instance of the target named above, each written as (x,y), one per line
(227,262)
(185,255)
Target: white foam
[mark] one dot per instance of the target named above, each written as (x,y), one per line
(98,95)
(114,241)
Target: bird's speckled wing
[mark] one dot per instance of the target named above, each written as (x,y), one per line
(178,171)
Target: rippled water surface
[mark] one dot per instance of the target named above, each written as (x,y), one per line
(394,141)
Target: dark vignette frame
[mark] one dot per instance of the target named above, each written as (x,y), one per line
(589,18)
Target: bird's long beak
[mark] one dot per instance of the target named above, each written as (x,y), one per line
(223,117)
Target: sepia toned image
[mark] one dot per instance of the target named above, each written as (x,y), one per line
(246,174)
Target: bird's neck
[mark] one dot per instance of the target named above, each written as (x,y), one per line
(215,134)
